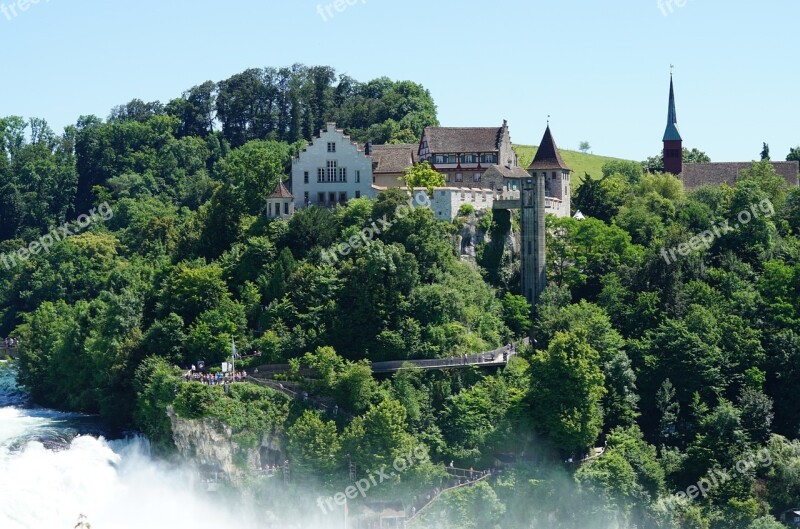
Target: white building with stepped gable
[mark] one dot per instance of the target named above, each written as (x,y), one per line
(331,170)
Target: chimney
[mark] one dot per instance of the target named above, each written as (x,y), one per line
(368,148)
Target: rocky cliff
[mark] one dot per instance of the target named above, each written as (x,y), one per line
(210,443)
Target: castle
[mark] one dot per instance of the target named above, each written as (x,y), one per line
(479,165)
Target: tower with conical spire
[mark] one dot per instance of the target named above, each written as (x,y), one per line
(673,142)
(549,179)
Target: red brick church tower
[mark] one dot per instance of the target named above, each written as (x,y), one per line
(673,143)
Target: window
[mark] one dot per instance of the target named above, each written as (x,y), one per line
(476,177)
(343,174)
(459,177)
(331,146)
(447,177)
(306,199)
(467,158)
(285,208)
(331,199)
(305,177)
(358,177)
(342,197)
(530,248)
(320,175)
(554,176)
(269,209)
(331,171)
(321,199)
(358,194)
(439,158)
(452,158)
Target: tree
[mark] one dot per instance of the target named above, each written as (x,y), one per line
(375,439)
(669,409)
(602,198)
(621,403)
(313,446)
(757,414)
(655,164)
(253,170)
(423,175)
(632,171)
(566,391)
(794,154)
(765,152)
(516,314)
(584,147)
(191,289)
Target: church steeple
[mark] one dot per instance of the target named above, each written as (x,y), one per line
(673,142)
(672,133)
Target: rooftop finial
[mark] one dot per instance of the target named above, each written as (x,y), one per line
(548,120)
(671,69)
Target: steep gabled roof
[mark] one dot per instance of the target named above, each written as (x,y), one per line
(463,140)
(548,157)
(672,133)
(391,159)
(281,192)
(505,172)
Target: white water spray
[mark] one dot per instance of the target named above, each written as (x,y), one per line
(116,484)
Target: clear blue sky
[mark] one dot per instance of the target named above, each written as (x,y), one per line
(601,69)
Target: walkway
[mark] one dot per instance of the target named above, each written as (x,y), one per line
(293,391)
(462,478)
(492,358)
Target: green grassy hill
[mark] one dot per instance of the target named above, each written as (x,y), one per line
(579,162)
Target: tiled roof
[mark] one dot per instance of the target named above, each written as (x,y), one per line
(505,172)
(391,159)
(699,174)
(281,192)
(548,157)
(463,140)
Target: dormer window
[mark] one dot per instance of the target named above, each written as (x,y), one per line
(331,146)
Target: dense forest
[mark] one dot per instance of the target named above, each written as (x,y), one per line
(668,334)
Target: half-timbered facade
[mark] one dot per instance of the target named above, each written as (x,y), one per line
(463,154)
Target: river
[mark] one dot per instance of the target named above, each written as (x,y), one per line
(55,467)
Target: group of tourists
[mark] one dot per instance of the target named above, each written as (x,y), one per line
(216,379)
(272,470)
(11,343)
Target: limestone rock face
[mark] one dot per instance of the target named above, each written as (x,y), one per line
(209,442)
